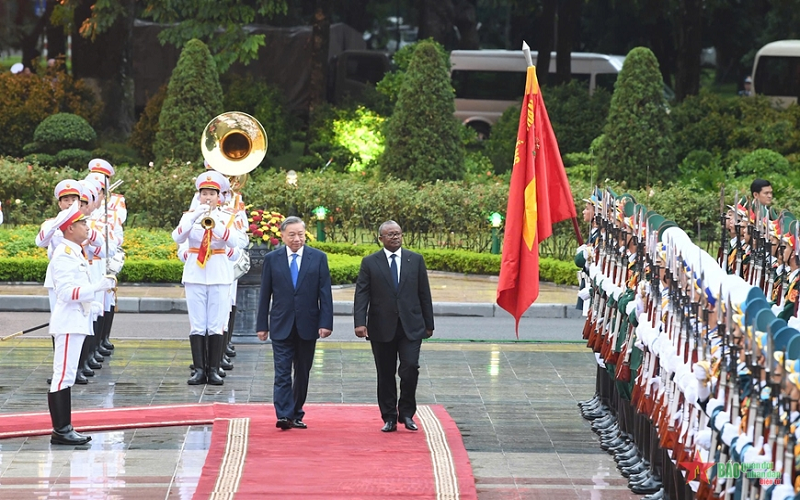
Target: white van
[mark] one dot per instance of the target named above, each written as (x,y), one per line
(776,72)
(487,82)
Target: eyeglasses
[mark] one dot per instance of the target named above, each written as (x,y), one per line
(393,235)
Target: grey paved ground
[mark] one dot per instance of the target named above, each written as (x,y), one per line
(176,326)
(514,404)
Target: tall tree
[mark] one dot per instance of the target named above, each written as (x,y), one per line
(103,51)
(545,42)
(569,18)
(436,21)
(320,40)
(689,43)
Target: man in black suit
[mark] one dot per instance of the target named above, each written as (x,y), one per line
(298,281)
(393,299)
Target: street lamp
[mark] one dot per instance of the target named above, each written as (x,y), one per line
(496,220)
(320,213)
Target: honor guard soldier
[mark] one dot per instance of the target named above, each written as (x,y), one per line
(111,211)
(207,276)
(70,321)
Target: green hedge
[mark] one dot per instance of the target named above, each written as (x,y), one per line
(343,266)
(460,261)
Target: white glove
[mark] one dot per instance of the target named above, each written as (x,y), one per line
(721,419)
(583,294)
(107,283)
(776,309)
(729,431)
(712,405)
(199,212)
(794,322)
(700,373)
(703,439)
(743,440)
(97,308)
(783,492)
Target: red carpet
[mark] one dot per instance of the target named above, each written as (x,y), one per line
(342,455)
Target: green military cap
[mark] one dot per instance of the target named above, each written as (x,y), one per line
(654,220)
(580,258)
(664,226)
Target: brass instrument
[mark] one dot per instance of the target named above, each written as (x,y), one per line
(208,222)
(233,144)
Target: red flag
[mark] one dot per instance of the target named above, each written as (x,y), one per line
(539,196)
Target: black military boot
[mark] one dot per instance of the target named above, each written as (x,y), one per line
(229,349)
(105,342)
(60,404)
(197,343)
(83,360)
(214,357)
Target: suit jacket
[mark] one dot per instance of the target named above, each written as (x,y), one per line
(310,306)
(378,305)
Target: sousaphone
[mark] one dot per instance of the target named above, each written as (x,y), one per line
(234,143)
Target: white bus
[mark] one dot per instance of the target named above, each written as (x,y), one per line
(487,82)
(776,72)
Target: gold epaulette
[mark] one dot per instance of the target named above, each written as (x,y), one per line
(67,249)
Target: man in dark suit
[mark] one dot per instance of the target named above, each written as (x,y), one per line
(297,280)
(393,300)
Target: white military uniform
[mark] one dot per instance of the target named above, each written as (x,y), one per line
(208,286)
(71,318)
(50,236)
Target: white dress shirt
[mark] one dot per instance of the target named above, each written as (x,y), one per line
(299,256)
(397,259)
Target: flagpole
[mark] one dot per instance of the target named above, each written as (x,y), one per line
(526,51)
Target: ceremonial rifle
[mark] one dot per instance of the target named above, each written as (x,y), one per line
(23,332)
(738,231)
(723,223)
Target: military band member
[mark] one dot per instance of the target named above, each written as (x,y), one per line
(207,275)
(70,320)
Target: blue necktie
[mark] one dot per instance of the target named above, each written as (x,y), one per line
(293,268)
(393,267)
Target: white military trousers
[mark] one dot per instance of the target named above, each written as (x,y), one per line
(209,306)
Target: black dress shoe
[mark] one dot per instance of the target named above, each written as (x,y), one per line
(648,487)
(81,379)
(410,424)
(630,462)
(299,424)
(641,478)
(636,473)
(389,426)
(284,423)
(658,495)
(625,455)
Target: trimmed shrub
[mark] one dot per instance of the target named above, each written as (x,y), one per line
(73,158)
(499,147)
(637,148)
(42,159)
(63,131)
(422,136)
(26,100)
(763,163)
(576,116)
(143,136)
(392,82)
(266,103)
(194,97)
